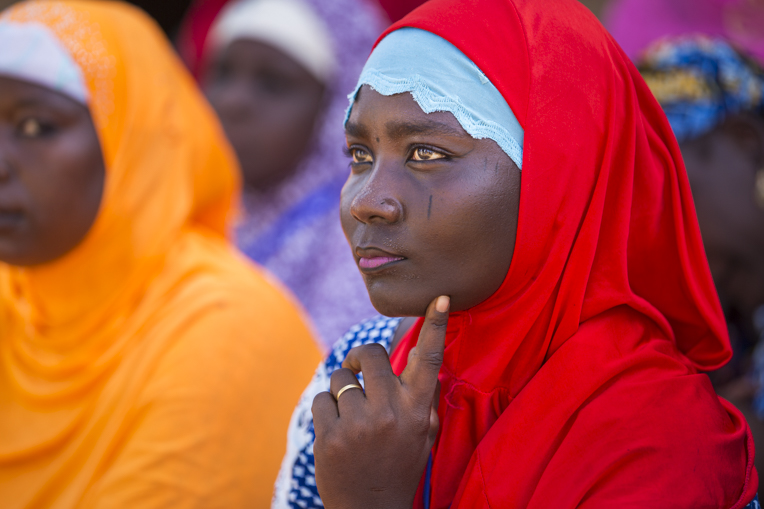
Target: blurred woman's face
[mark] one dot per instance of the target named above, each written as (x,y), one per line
(51,173)
(428,210)
(722,168)
(269,105)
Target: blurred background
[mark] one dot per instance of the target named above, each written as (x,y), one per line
(170,12)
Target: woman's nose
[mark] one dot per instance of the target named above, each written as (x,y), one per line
(377,199)
(233,102)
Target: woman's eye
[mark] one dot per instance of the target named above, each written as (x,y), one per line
(274,83)
(32,128)
(426,154)
(360,155)
(221,72)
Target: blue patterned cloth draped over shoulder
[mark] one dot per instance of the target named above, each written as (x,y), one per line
(296,484)
(699,81)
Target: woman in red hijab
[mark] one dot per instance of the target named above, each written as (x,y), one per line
(549,240)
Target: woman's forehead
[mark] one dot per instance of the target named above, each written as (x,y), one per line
(398,116)
(19,93)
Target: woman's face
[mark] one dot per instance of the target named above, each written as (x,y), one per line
(268,104)
(722,168)
(428,210)
(51,173)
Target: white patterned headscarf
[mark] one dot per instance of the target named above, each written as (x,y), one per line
(292,26)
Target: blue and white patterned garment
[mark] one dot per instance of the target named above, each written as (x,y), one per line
(296,484)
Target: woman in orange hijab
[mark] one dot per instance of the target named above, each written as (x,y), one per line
(136,344)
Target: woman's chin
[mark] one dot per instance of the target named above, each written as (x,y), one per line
(394,303)
(397,310)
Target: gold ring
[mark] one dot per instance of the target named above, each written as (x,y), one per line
(351,386)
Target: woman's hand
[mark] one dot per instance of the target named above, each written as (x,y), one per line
(371,448)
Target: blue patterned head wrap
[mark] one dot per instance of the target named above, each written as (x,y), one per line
(699,81)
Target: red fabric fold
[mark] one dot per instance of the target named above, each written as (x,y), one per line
(577,383)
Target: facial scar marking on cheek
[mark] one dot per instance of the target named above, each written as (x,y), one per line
(377,139)
(429,208)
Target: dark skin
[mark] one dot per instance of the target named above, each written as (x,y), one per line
(51,173)
(722,168)
(423,190)
(431,216)
(269,105)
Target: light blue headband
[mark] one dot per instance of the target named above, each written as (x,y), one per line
(31,52)
(441,78)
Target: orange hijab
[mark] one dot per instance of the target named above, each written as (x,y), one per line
(143,368)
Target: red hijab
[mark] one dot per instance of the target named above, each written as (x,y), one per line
(577,383)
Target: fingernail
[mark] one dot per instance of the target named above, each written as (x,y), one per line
(441,305)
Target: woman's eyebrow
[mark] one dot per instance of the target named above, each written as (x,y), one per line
(52,104)
(29,102)
(397,130)
(356,130)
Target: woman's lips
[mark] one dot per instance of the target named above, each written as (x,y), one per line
(377,261)
(10,219)
(372,259)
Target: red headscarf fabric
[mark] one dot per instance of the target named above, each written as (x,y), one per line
(577,383)
(194,30)
(396,9)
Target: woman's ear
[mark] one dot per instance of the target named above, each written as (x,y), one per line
(747,129)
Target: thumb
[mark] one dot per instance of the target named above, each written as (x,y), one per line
(421,374)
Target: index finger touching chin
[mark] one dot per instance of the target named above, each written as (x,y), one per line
(421,373)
